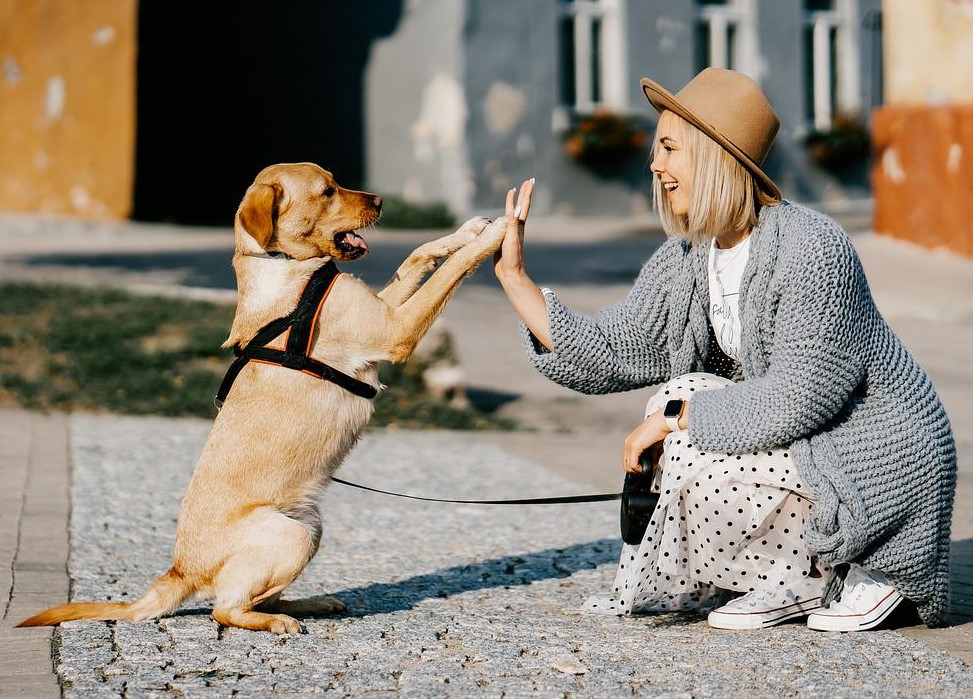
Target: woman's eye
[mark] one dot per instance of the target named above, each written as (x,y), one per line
(328,192)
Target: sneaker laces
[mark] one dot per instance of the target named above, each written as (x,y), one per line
(800,591)
(858,581)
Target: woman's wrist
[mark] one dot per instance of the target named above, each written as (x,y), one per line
(684,416)
(516,276)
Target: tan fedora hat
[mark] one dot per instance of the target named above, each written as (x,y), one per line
(730,108)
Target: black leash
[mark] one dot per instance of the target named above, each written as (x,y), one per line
(602,497)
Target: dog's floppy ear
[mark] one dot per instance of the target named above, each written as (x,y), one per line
(258,212)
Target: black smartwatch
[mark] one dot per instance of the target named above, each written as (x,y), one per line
(672,412)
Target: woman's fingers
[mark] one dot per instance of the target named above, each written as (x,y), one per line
(510,256)
(523,200)
(509,204)
(650,432)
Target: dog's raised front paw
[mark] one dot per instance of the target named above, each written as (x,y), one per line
(493,234)
(475,225)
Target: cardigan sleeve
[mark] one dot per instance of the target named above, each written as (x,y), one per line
(815,362)
(623,347)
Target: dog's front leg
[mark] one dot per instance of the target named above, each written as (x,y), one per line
(412,318)
(423,260)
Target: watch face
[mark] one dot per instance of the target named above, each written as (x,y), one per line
(673,408)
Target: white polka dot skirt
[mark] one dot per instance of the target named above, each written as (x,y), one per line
(724,523)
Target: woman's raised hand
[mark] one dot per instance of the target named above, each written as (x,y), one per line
(508,263)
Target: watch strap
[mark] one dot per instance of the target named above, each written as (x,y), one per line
(672,413)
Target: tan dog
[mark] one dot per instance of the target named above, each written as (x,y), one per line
(250,523)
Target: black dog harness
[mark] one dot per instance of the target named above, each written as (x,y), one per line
(299,326)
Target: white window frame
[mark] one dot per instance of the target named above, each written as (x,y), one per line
(846,61)
(740,16)
(613,76)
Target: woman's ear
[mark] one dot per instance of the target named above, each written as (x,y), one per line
(257,214)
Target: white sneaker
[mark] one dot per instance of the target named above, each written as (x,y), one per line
(760,609)
(866,601)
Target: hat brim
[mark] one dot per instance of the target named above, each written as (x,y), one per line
(662,99)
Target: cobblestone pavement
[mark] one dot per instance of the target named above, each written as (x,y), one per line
(444,600)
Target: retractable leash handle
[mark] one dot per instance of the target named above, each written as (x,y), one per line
(638,502)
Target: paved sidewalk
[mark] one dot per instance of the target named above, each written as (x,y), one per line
(465,600)
(33,545)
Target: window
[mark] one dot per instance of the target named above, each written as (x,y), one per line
(726,35)
(593,65)
(831,60)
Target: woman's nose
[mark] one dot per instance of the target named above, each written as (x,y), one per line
(657,166)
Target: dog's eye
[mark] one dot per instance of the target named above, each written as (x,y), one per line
(328,191)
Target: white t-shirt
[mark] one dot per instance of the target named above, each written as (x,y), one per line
(725,272)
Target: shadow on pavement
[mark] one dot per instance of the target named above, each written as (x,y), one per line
(961,582)
(509,571)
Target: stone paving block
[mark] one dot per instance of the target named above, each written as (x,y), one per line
(33,686)
(21,648)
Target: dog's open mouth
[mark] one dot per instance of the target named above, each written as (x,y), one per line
(351,244)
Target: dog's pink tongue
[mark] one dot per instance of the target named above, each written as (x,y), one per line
(356,241)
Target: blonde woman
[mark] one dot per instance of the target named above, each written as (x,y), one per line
(807,467)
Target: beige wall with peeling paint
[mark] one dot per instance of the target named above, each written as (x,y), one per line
(928,51)
(67,106)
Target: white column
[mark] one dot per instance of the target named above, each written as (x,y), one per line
(821,70)
(849,57)
(717,39)
(614,64)
(582,59)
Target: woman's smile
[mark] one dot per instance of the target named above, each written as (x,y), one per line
(672,163)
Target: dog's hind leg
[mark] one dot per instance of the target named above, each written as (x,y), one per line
(424,259)
(257,574)
(244,617)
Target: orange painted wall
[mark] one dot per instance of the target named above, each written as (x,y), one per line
(922,175)
(67,106)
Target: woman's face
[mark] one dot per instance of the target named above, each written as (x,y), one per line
(673,163)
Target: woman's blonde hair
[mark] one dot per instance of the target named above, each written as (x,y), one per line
(725,195)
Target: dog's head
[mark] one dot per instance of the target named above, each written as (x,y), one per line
(298,209)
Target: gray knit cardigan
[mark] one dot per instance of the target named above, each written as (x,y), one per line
(822,372)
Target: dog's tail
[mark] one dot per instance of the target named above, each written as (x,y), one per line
(163,597)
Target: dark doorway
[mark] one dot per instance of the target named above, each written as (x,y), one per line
(227,88)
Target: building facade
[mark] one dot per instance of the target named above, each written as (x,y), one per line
(166,110)
(465,99)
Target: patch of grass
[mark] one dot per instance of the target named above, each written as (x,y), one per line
(66,348)
(399,213)
(406,404)
(104,350)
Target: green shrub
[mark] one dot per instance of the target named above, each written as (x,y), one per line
(399,213)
